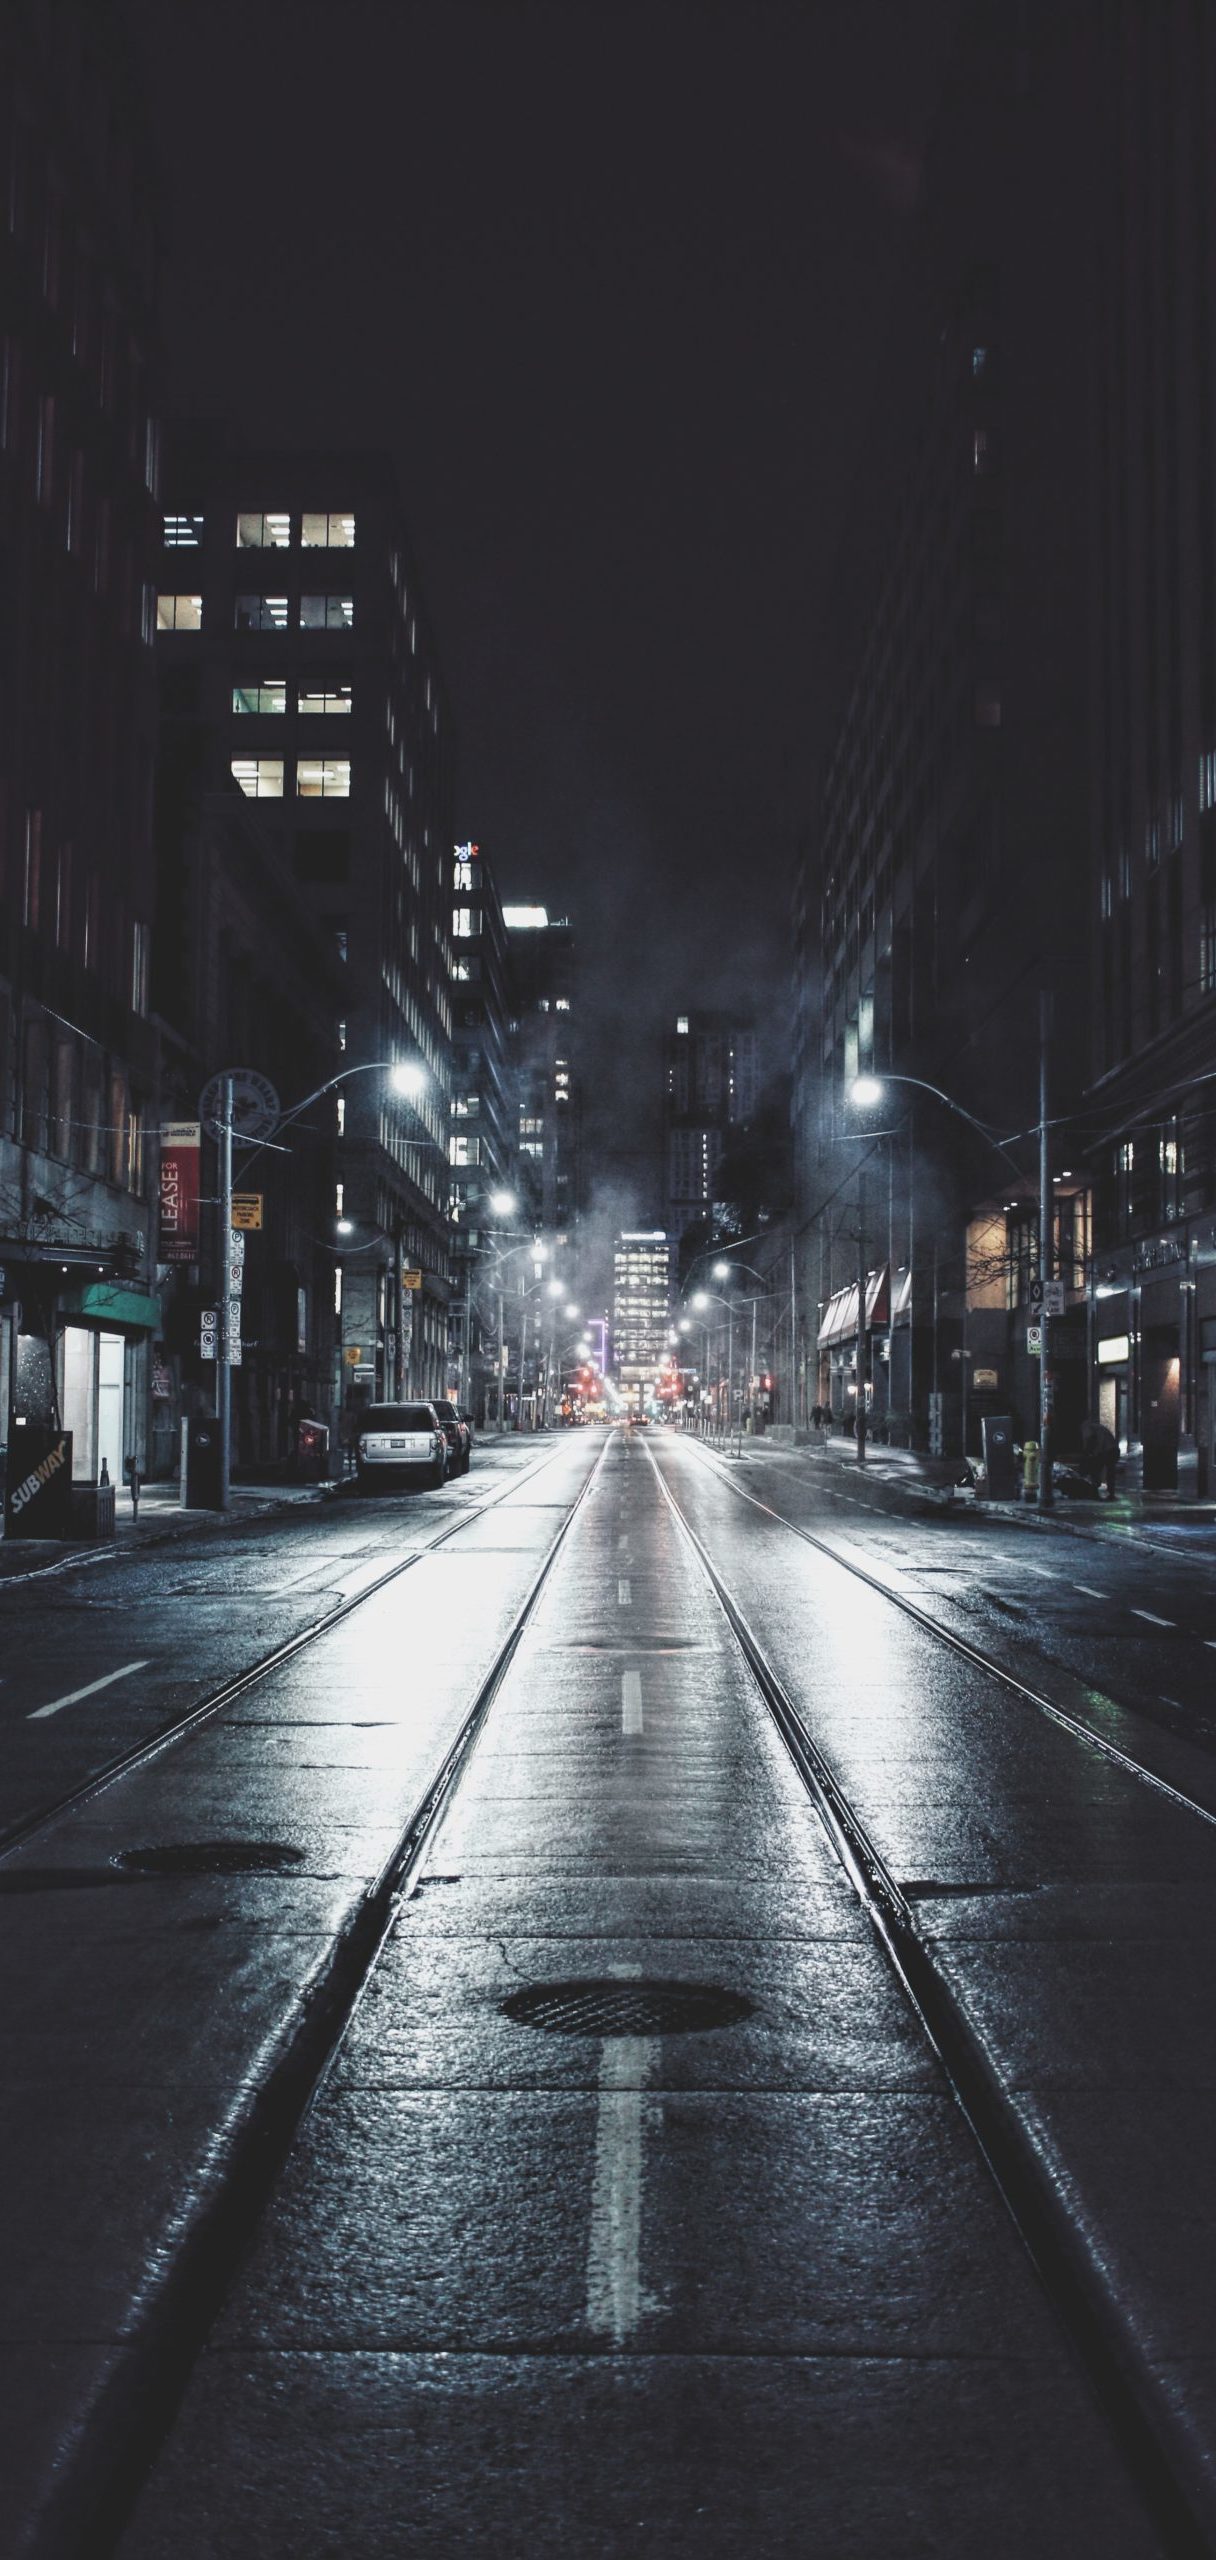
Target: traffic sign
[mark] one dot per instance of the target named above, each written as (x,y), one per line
(1034,1295)
(1053,1297)
(236,1245)
(353,1354)
(236,1279)
(411,1279)
(247,1210)
(256,1109)
(1034,1341)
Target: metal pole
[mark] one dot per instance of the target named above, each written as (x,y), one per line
(730,1369)
(751,1391)
(466,1365)
(1045,1263)
(502,1345)
(862,1331)
(223,1365)
(797,1416)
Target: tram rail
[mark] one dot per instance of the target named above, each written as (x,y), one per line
(1168,2466)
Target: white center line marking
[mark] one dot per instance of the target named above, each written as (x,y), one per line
(631,1702)
(1046,1571)
(89,1691)
(614,2292)
(624,1594)
(1089,1591)
(1152,1617)
(623,1539)
(1210,1642)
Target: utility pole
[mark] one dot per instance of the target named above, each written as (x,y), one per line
(223,1365)
(501,1353)
(863,1340)
(1046,1222)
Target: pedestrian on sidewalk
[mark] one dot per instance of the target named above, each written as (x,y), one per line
(1099,1457)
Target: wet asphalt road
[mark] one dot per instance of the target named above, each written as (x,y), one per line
(672,2290)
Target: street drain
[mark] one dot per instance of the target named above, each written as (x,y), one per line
(210,1858)
(623,2008)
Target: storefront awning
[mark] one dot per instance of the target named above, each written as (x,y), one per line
(106,1302)
(840,1318)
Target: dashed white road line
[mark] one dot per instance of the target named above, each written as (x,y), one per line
(614,2289)
(624,1594)
(1152,1617)
(89,1691)
(1046,1572)
(631,1702)
(1089,1591)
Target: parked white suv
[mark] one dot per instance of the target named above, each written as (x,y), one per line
(401,1439)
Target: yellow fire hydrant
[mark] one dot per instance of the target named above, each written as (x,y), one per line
(1030,1470)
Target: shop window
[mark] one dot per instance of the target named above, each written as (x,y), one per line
(316,701)
(327,533)
(261,613)
(44,451)
(269,695)
(140,950)
(31,885)
(179,613)
(263,532)
(327,613)
(63,1093)
(323,778)
(259,777)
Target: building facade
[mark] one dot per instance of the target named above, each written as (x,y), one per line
(298,660)
(1153,698)
(485,1118)
(78,484)
(542,961)
(942,888)
(641,1306)
(710,1090)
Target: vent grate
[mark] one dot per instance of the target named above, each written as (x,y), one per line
(620,2007)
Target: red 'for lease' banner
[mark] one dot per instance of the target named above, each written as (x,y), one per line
(179,1189)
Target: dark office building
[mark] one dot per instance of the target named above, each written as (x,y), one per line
(542,963)
(78,480)
(299,671)
(943,883)
(710,1090)
(1154,703)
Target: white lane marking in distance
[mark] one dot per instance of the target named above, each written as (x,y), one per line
(1046,1571)
(89,1691)
(614,2247)
(631,1702)
(1089,1591)
(1152,1617)
(624,1594)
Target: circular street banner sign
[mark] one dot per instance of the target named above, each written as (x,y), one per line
(255,1106)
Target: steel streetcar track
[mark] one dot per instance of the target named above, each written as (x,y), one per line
(97,2489)
(984,1662)
(142,1754)
(1168,2472)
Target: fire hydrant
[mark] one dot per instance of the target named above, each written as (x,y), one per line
(1030,1470)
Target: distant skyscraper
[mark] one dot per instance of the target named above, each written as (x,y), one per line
(641,1304)
(541,951)
(710,1080)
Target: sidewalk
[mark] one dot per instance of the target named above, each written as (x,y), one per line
(161,1515)
(912,1473)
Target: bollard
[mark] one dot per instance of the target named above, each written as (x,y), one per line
(1030,1471)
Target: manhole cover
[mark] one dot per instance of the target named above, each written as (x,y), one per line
(624,2008)
(210,1858)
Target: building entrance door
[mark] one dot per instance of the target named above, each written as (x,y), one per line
(110,1367)
(1160,1385)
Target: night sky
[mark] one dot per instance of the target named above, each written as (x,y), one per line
(612,282)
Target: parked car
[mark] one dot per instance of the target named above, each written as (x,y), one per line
(457,1433)
(401,1440)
